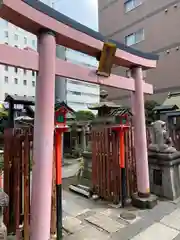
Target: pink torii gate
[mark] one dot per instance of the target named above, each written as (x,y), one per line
(53,28)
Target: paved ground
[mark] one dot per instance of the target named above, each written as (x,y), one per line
(86,219)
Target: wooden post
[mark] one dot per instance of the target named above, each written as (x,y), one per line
(58,147)
(53,203)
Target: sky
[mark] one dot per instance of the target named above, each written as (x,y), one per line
(83,11)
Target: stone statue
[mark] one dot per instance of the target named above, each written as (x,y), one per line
(161,142)
(164,163)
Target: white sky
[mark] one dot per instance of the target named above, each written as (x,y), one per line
(83,11)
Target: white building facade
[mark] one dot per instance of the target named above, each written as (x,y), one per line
(15,81)
(80,94)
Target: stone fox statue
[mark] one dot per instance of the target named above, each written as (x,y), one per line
(161,141)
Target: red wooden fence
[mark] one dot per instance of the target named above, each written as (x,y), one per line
(17,163)
(106,174)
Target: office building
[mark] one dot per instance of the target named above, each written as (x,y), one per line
(15,81)
(150,26)
(78,94)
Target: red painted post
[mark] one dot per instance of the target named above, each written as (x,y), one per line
(58,150)
(122,149)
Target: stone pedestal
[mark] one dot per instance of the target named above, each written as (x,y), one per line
(144,203)
(87,165)
(165,177)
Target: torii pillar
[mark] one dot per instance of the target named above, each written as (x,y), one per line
(140,139)
(142,169)
(43,137)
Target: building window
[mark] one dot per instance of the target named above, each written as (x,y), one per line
(134,37)
(25,71)
(33,83)
(75,93)
(25,82)
(131,4)
(33,43)
(6,34)
(16,81)
(33,73)
(25,40)
(6,67)
(6,79)
(16,70)
(16,46)
(15,37)
(83,83)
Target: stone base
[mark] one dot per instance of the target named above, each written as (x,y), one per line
(144,203)
(164,178)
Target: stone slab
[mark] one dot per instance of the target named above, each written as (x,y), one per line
(172,220)
(157,231)
(88,233)
(71,224)
(104,222)
(73,209)
(114,215)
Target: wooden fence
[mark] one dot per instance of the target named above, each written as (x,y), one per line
(106,172)
(17,165)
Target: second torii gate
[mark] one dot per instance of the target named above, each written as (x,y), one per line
(51,28)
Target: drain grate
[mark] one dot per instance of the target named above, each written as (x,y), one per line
(128,216)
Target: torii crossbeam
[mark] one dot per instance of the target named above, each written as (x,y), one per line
(51,28)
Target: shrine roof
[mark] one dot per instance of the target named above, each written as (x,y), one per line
(172,99)
(165,107)
(121,111)
(107,104)
(174,113)
(59,105)
(20,100)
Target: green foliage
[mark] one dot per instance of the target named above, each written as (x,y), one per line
(84,115)
(150,115)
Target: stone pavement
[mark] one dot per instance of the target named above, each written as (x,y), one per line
(85,219)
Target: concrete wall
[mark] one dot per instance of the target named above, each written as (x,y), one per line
(160,21)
